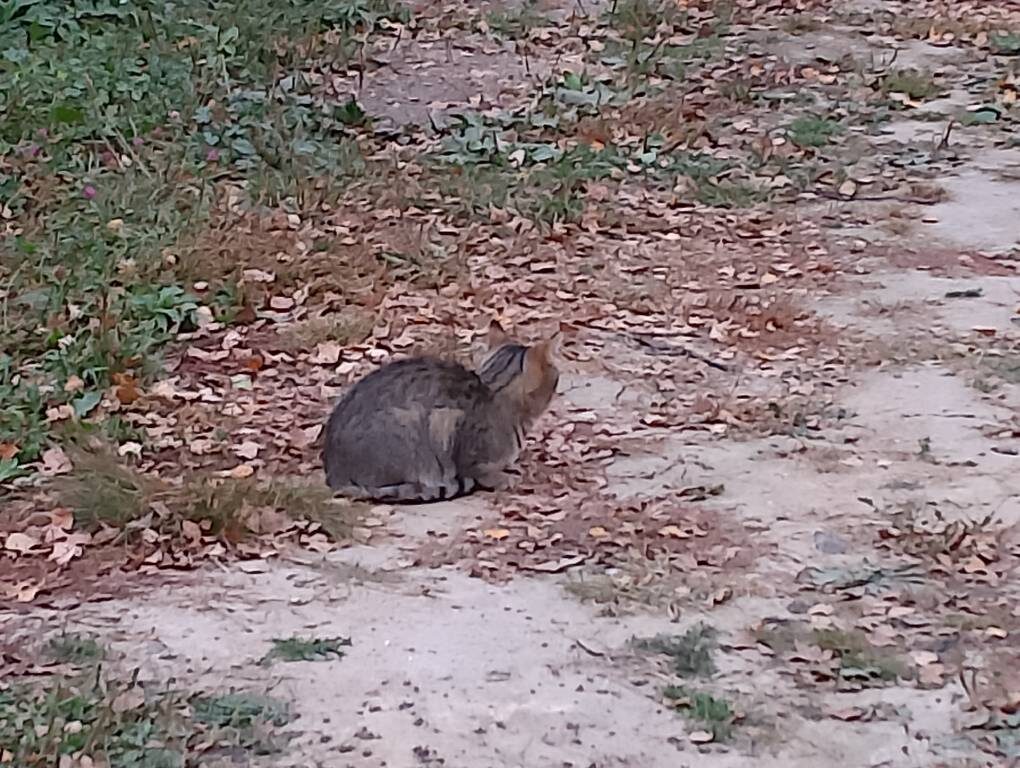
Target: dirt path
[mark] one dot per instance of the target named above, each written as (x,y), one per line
(839,506)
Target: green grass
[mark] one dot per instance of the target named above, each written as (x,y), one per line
(691,653)
(123,122)
(119,723)
(101,491)
(640,46)
(706,711)
(516,23)
(1007,44)
(307,649)
(859,660)
(811,131)
(75,648)
(916,84)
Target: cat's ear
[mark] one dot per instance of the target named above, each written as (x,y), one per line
(496,336)
(552,346)
(538,364)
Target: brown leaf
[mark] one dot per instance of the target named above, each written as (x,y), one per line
(132,698)
(21,542)
(67,549)
(558,565)
(326,353)
(55,462)
(239,472)
(126,389)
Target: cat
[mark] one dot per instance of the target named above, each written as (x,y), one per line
(425,429)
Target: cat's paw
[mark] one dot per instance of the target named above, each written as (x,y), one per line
(498,480)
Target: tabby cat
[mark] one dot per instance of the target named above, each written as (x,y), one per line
(424,429)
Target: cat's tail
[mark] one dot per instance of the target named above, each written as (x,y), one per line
(410,493)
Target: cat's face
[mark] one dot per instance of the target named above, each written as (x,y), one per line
(526,374)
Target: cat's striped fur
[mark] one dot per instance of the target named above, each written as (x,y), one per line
(425,429)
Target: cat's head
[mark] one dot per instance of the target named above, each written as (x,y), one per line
(527,375)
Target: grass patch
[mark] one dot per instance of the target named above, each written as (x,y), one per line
(306,649)
(75,648)
(691,653)
(915,84)
(122,724)
(538,180)
(707,712)
(1007,44)
(859,660)
(239,711)
(642,33)
(102,492)
(345,329)
(124,126)
(811,131)
(516,23)
(729,194)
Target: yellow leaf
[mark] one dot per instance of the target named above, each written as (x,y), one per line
(598,532)
(239,472)
(496,533)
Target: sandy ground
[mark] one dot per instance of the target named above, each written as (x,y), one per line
(450,670)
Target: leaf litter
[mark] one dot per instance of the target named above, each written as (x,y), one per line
(680,241)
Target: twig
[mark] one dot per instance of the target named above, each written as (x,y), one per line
(650,342)
(673,348)
(829,195)
(588,650)
(944,143)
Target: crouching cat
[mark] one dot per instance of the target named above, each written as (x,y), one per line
(424,429)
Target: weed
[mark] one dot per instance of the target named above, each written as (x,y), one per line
(349,327)
(859,660)
(710,713)
(75,648)
(241,711)
(729,194)
(1007,44)
(691,652)
(120,723)
(306,649)
(799,23)
(516,23)
(103,492)
(811,131)
(924,450)
(1005,367)
(916,84)
(122,124)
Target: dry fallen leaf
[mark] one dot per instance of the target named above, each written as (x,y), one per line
(125,701)
(126,389)
(247,450)
(496,533)
(326,353)
(20,542)
(239,472)
(67,549)
(55,462)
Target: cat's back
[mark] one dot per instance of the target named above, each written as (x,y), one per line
(423,381)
